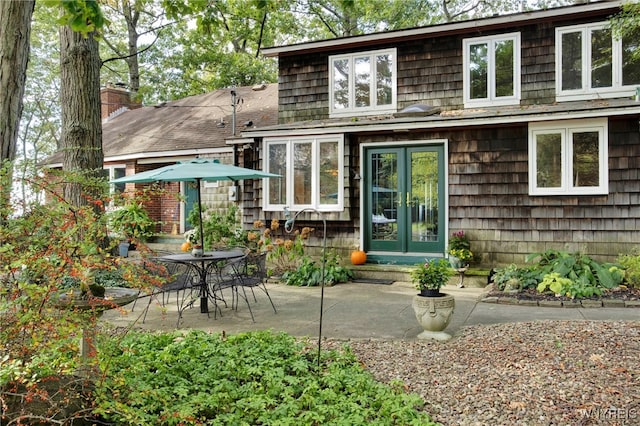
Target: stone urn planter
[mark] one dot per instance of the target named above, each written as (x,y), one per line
(434,314)
(433,309)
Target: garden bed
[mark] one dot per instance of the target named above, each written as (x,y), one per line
(616,297)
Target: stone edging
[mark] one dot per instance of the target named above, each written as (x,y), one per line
(586,303)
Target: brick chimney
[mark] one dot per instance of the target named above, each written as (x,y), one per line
(116,99)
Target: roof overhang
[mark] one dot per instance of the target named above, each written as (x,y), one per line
(484,24)
(158,157)
(493,117)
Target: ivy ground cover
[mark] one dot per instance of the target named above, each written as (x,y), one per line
(255,378)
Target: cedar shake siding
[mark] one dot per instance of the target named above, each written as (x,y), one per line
(488,161)
(488,196)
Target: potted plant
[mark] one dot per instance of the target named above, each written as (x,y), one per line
(460,253)
(432,308)
(430,276)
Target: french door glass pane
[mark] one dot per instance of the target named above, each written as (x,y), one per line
(329,173)
(302,173)
(572,61)
(384,79)
(278,164)
(478,63)
(504,68)
(549,160)
(424,196)
(384,190)
(363,81)
(601,59)
(586,156)
(340,83)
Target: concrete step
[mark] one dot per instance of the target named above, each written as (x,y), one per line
(474,278)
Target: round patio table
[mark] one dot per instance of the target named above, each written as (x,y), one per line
(202,264)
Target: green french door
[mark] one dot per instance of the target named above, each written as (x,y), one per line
(191,202)
(404,199)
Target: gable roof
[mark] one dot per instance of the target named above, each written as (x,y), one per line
(187,126)
(482,24)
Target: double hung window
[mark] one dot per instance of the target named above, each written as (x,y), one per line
(362,83)
(492,70)
(591,63)
(568,158)
(311,170)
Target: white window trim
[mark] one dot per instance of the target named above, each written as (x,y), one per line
(491,100)
(373,108)
(586,93)
(566,128)
(315,166)
(110,172)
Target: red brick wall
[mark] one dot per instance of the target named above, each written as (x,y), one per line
(114,98)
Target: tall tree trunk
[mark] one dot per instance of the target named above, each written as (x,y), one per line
(15,29)
(131,17)
(81,137)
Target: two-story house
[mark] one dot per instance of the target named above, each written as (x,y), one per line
(521,130)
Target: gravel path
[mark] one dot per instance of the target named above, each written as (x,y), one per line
(535,373)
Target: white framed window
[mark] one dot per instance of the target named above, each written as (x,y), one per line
(491,70)
(592,63)
(312,173)
(362,83)
(115,172)
(569,158)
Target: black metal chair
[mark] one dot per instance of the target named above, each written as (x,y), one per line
(251,273)
(179,278)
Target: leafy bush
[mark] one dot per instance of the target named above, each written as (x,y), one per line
(513,277)
(249,378)
(309,273)
(220,229)
(42,247)
(132,221)
(631,263)
(565,274)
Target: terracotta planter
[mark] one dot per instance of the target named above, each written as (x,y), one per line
(434,315)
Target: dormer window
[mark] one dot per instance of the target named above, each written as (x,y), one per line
(491,70)
(592,63)
(363,83)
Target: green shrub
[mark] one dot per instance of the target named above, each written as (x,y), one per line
(244,379)
(574,275)
(309,273)
(220,229)
(513,277)
(631,264)
(132,221)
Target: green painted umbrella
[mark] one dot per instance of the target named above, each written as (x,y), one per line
(196,170)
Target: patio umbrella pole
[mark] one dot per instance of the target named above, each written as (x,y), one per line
(204,304)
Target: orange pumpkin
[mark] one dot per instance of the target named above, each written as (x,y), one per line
(186,246)
(358,257)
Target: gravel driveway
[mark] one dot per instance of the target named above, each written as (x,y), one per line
(535,373)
